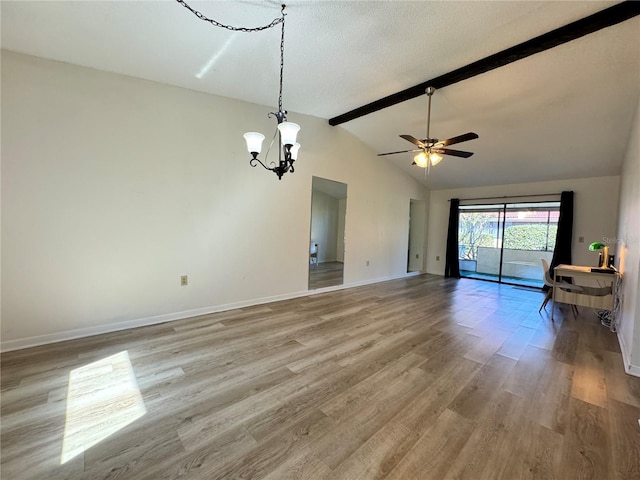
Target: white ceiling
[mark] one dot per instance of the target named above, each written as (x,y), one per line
(563,113)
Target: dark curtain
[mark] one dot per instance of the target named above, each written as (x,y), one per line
(564,237)
(452,266)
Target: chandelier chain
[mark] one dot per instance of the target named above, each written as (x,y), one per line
(273,23)
(254,140)
(201,16)
(281,62)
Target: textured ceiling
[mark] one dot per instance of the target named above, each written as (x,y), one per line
(563,113)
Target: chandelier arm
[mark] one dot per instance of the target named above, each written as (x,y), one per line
(271,145)
(280,115)
(215,23)
(253,163)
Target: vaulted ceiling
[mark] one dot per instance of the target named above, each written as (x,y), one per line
(563,113)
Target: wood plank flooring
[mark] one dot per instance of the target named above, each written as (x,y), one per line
(325,274)
(420,378)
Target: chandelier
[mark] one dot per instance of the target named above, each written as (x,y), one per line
(286,131)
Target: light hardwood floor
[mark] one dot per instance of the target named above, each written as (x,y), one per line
(420,378)
(326,274)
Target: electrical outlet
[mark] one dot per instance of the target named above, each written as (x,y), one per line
(417,255)
(437,258)
(580,239)
(184,280)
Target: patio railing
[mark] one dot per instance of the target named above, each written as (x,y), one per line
(523,264)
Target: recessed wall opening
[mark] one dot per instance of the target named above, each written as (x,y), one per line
(417,227)
(327,242)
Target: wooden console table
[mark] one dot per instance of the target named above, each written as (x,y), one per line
(584,299)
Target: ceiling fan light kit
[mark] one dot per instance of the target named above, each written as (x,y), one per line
(286,131)
(422,160)
(431,149)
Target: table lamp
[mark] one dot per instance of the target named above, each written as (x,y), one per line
(595,246)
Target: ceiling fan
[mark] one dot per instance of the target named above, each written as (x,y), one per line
(431,149)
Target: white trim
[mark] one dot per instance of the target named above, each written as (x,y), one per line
(628,366)
(29,342)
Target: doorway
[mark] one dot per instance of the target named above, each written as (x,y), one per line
(417,224)
(327,239)
(505,242)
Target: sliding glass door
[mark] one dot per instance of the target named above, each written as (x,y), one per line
(480,240)
(506,242)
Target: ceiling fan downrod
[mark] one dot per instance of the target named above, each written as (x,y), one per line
(429,92)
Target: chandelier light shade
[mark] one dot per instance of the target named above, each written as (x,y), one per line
(254,142)
(288,131)
(294,151)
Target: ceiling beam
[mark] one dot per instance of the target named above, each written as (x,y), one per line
(603,19)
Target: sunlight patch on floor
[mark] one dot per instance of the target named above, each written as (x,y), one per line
(102,398)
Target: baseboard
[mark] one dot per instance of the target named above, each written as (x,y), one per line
(39,340)
(630,368)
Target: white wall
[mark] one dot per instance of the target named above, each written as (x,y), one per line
(628,241)
(113,187)
(594,217)
(324,225)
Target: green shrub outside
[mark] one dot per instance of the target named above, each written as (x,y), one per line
(530,237)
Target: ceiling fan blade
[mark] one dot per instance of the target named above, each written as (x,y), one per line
(454,153)
(459,139)
(401,151)
(413,140)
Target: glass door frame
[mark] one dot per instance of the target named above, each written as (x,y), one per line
(502,209)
